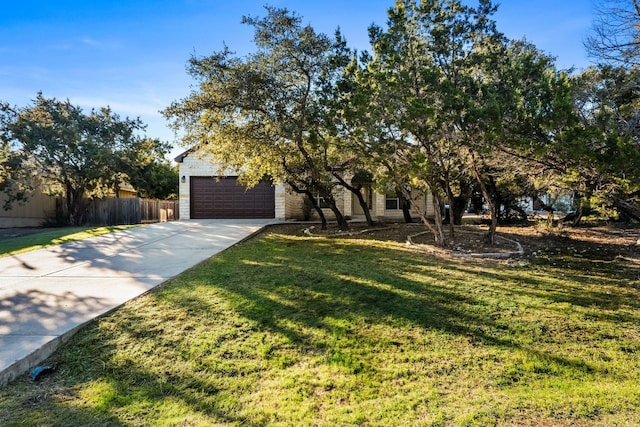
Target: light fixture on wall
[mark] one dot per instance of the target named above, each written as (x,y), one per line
(183,179)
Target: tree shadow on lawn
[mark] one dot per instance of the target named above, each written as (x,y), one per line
(562,285)
(308,292)
(601,281)
(407,290)
(125,386)
(43,404)
(122,381)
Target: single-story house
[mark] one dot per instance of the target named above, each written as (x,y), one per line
(205,192)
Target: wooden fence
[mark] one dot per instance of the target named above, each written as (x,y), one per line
(119,211)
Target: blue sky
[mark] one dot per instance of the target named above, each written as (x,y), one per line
(131,54)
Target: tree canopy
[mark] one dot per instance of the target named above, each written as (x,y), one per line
(444,97)
(77,155)
(444,105)
(615,36)
(262,114)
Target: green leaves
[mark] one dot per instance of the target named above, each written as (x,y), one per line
(267,113)
(420,94)
(443,99)
(607,150)
(76,154)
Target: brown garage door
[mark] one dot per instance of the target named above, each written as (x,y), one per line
(225,198)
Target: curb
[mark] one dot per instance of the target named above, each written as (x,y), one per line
(19,367)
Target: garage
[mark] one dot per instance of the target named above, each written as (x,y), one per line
(224,197)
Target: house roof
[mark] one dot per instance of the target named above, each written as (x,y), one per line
(125,186)
(181,156)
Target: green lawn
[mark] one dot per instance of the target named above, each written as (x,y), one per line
(298,331)
(52,236)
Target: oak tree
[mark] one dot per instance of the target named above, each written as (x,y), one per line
(262,114)
(77,155)
(415,92)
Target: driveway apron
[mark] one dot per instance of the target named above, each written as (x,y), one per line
(46,295)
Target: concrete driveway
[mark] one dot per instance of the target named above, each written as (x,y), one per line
(45,295)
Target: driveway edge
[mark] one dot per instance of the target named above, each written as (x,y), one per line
(25,364)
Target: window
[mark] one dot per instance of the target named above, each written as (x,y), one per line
(392,203)
(320,201)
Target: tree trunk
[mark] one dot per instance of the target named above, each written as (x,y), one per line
(331,201)
(343,225)
(435,229)
(574,217)
(460,202)
(405,205)
(451,201)
(584,206)
(521,212)
(491,235)
(438,233)
(313,202)
(578,218)
(358,194)
(75,209)
(365,208)
(627,207)
(549,210)
(459,207)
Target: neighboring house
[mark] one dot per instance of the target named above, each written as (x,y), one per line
(563,203)
(126,191)
(207,192)
(32,213)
